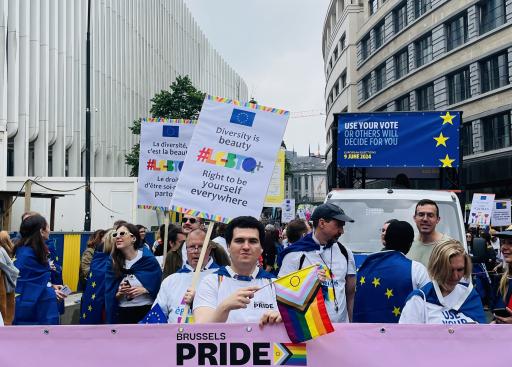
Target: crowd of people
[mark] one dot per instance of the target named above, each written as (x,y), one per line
(426,279)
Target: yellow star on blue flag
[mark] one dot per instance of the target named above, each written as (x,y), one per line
(441,140)
(396,311)
(447,118)
(447,162)
(362,280)
(376,282)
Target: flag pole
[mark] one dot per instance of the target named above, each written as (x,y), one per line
(199,267)
(166,236)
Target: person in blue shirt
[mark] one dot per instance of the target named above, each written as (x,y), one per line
(37,297)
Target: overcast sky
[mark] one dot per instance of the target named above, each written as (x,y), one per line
(275,45)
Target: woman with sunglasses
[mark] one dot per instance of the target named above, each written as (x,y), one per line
(133,278)
(447,299)
(37,296)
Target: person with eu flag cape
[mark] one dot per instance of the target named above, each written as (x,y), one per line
(241,292)
(36,301)
(175,292)
(446,299)
(504,298)
(92,305)
(133,278)
(322,247)
(386,278)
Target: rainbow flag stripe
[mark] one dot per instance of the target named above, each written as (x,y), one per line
(301,304)
(248,105)
(289,354)
(166,120)
(199,214)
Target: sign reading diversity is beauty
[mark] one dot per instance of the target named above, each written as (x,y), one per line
(231,158)
(163,147)
(399,139)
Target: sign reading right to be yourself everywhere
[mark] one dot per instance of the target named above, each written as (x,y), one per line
(399,139)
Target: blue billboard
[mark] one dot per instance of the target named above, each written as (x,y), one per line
(399,139)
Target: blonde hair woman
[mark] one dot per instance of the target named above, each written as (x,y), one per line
(504,299)
(447,299)
(8,277)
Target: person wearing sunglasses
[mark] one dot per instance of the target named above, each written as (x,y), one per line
(447,299)
(133,278)
(188,224)
(175,292)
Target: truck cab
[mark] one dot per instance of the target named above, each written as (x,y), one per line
(371,208)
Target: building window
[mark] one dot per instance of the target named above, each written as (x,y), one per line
(372,4)
(336,88)
(335,53)
(425,98)
(306,186)
(423,50)
(401,64)
(497,131)
(457,31)
(380,77)
(491,14)
(366,86)
(494,72)
(467,139)
(400,17)
(382,109)
(343,80)
(458,86)
(421,7)
(342,42)
(403,103)
(365,47)
(379,35)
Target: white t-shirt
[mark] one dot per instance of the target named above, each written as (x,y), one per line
(1,320)
(340,268)
(142,300)
(419,275)
(174,287)
(212,291)
(419,311)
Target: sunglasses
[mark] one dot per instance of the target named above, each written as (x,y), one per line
(121,234)
(190,220)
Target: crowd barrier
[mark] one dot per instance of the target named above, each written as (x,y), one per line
(171,345)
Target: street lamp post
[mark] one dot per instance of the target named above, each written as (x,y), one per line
(87,220)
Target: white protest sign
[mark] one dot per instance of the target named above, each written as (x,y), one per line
(481,209)
(501,215)
(288,210)
(230,160)
(163,147)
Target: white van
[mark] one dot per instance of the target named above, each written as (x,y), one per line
(370,209)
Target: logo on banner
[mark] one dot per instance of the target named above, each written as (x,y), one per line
(501,205)
(170,131)
(242,117)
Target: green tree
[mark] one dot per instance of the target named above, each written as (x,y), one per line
(182,101)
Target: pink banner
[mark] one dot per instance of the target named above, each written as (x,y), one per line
(228,345)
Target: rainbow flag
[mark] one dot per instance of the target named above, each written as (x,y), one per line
(289,354)
(301,304)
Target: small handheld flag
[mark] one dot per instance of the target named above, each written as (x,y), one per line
(155,316)
(301,304)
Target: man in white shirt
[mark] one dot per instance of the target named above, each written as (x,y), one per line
(241,292)
(321,247)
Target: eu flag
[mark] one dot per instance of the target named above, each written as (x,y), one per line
(501,205)
(170,131)
(92,310)
(155,316)
(242,117)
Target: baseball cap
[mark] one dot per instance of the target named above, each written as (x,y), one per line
(504,234)
(330,211)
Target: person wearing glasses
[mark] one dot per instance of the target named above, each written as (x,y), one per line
(133,278)
(188,224)
(447,299)
(175,292)
(241,292)
(426,216)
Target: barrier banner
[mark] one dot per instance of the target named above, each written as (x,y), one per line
(230,160)
(275,192)
(350,345)
(163,147)
(399,139)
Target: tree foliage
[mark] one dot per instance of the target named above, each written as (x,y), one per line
(182,101)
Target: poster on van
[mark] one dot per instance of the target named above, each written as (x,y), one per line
(399,139)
